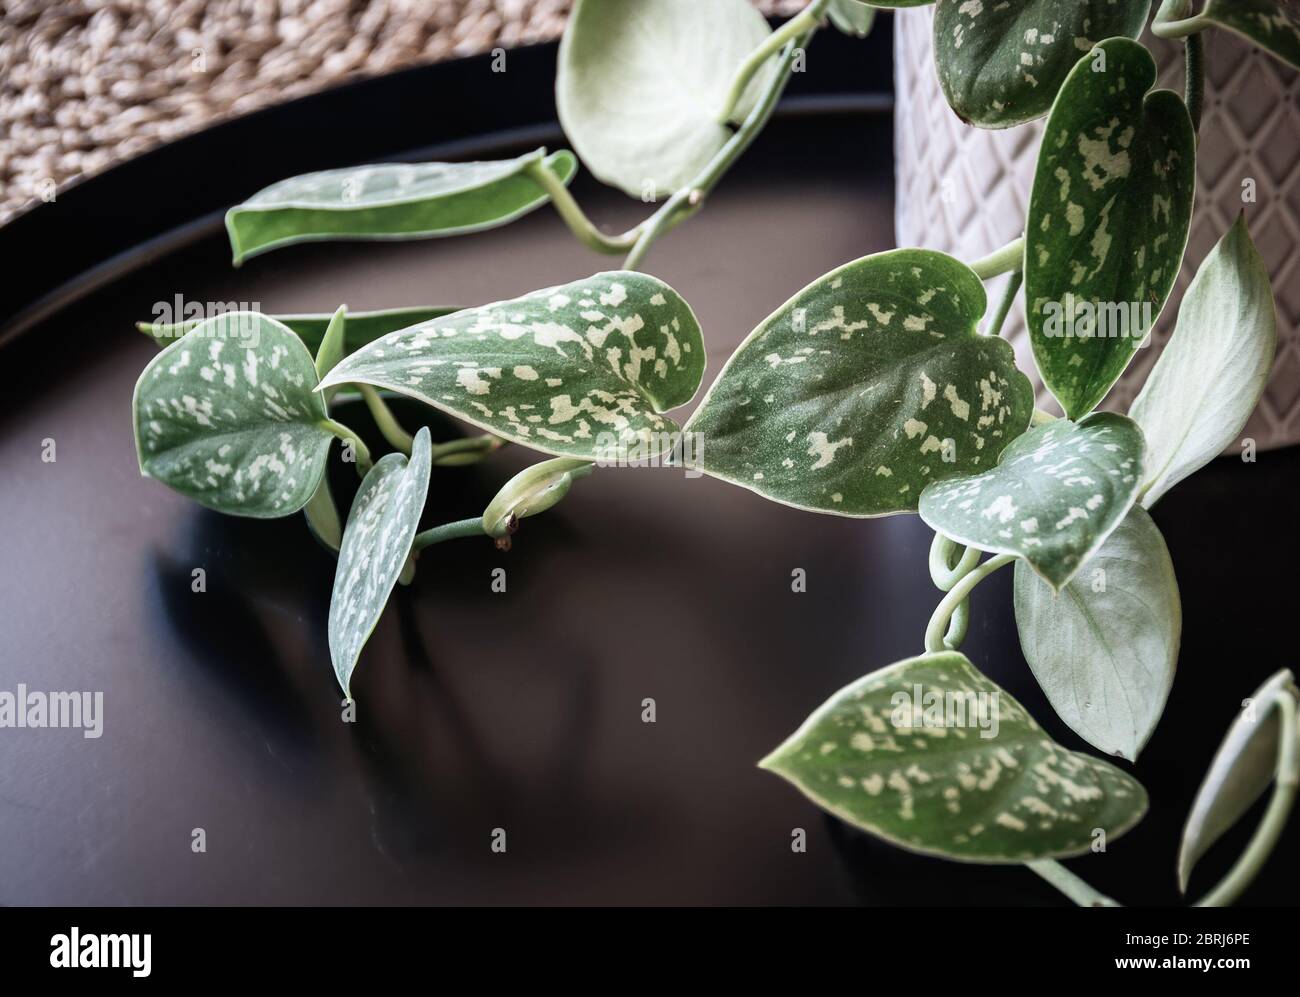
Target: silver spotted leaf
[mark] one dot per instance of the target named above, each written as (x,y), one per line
(1273,25)
(932,756)
(1054,497)
(641,85)
(229,416)
(1212,371)
(376,542)
(362,327)
(391,201)
(581,370)
(864,387)
(1001,62)
(1108,219)
(1105,647)
(1242,770)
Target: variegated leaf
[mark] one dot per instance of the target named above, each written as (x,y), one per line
(1002,63)
(1056,494)
(1273,25)
(228,415)
(1108,220)
(1105,648)
(1212,371)
(581,370)
(1241,771)
(362,327)
(376,542)
(864,387)
(391,201)
(641,85)
(932,756)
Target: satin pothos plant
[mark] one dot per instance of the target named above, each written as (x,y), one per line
(882,388)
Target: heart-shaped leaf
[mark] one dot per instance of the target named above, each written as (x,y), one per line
(1002,63)
(391,201)
(865,386)
(932,756)
(361,328)
(1104,649)
(1055,495)
(581,370)
(1213,369)
(641,84)
(376,542)
(228,415)
(1273,25)
(1108,219)
(1242,769)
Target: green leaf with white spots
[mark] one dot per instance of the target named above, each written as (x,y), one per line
(1108,220)
(361,327)
(864,387)
(1105,648)
(1273,25)
(391,201)
(581,370)
(1002,63)
(376,541)
(229,416)
(1202,390)
(1054,497)
(641,84)
(932,756)
(1241,771)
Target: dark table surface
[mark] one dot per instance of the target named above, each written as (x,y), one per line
(522,710)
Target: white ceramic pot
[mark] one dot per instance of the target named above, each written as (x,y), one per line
(965,190)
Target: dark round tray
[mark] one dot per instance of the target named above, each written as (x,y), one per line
(519,710)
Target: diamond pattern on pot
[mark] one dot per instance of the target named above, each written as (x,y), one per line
(965,191)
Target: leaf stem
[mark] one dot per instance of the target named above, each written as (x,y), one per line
(364,463)
(470,450)
(1194,78)
(391,429)
(805,20)
(1270,828)
(1172,20)
(943,613)
(1070,884)
(1010,257)
(686,201)
(449,531)
(1008,299)
(573,216)
(943,572)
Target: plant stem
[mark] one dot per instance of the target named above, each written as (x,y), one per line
(1008,299)
(1194,79)
(1270,828)
(449,531)
(1172,21)
(470,450)
(943,572)
(574,217)
(1009,257)
(1070,884)
(364,463)
(686,201)
(943,613)
(805,20)
(397,437)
